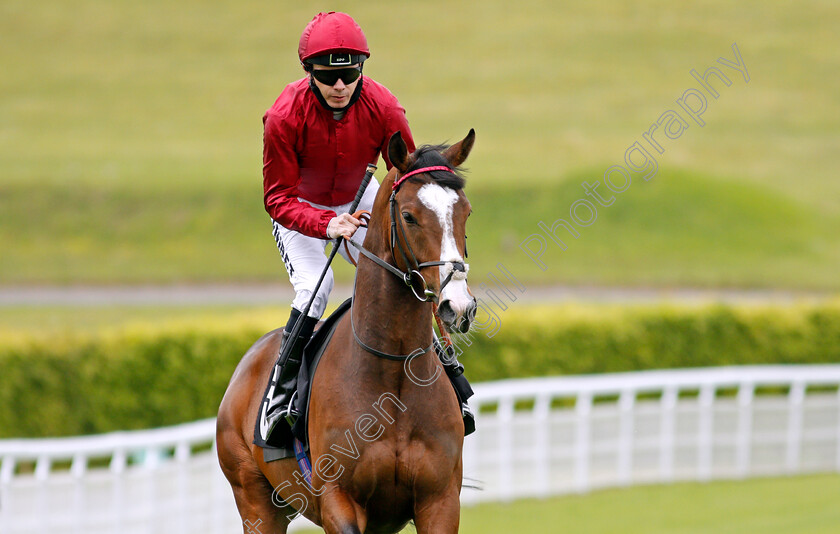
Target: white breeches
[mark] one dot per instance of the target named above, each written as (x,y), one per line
(305,256)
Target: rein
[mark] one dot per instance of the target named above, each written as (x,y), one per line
(385,355)
(421,292)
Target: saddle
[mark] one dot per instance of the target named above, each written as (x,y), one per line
(282,439)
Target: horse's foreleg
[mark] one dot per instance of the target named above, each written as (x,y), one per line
(259,515)
(340,514)
(261,511)
(438,514)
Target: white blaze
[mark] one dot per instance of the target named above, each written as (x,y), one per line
(441,201)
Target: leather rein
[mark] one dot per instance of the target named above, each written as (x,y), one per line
(412,276)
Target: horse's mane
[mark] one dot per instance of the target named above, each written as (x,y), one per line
(431,156)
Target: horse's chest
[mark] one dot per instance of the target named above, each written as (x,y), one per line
(399,467)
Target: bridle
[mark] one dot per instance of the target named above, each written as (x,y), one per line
(412,276)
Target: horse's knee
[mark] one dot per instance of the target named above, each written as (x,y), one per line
(346,529)
(340,525)
(340,515)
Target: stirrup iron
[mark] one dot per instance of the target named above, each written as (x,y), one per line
(290,414)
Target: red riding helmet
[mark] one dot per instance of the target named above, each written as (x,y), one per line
(333,34)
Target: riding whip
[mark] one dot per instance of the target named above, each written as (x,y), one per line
(371,168)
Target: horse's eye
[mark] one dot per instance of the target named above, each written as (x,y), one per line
(408,218)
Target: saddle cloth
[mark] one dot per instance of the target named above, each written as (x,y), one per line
(281,441)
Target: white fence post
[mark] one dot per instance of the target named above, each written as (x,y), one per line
(743,447)
(182,456)
(8,469)
(583,410)
(705,441)
(77,470)
(542,445)
(838,431)
(626,403)
(505,418)
(796,398)
(668,406)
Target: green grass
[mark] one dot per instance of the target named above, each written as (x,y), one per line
(57,321)
(678,229)
(130,134)
(802,505)
(796,505)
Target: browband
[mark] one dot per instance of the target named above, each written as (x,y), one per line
(418,171)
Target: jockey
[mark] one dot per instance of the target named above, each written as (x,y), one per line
(320,135)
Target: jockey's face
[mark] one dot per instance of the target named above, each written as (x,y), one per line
(337,95)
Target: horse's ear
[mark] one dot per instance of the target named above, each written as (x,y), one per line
(398,152)
(457,153)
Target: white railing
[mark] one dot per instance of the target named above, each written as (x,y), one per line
(561,435)
(536,437)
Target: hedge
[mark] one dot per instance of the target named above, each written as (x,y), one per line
(575,340)
(155,376)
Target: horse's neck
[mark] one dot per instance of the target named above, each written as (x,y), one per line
(386,315)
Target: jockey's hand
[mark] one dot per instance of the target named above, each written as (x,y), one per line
(343,225)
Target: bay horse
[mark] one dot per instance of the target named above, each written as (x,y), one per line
(385,434)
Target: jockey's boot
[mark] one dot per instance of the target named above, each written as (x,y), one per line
(283,385)
(455,372)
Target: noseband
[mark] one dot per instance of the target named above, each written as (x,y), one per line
(412,276)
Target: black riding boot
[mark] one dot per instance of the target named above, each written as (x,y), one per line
(283,383)
(455,372)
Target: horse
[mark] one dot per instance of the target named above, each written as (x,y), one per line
(385,433)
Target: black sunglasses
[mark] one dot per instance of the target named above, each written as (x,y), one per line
(331,77)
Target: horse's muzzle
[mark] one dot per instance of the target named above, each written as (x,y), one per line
(457,320)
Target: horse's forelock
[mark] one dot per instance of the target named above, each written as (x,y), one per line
(432,156)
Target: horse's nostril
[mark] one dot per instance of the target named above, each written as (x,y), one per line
(471,311)
(447,314)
